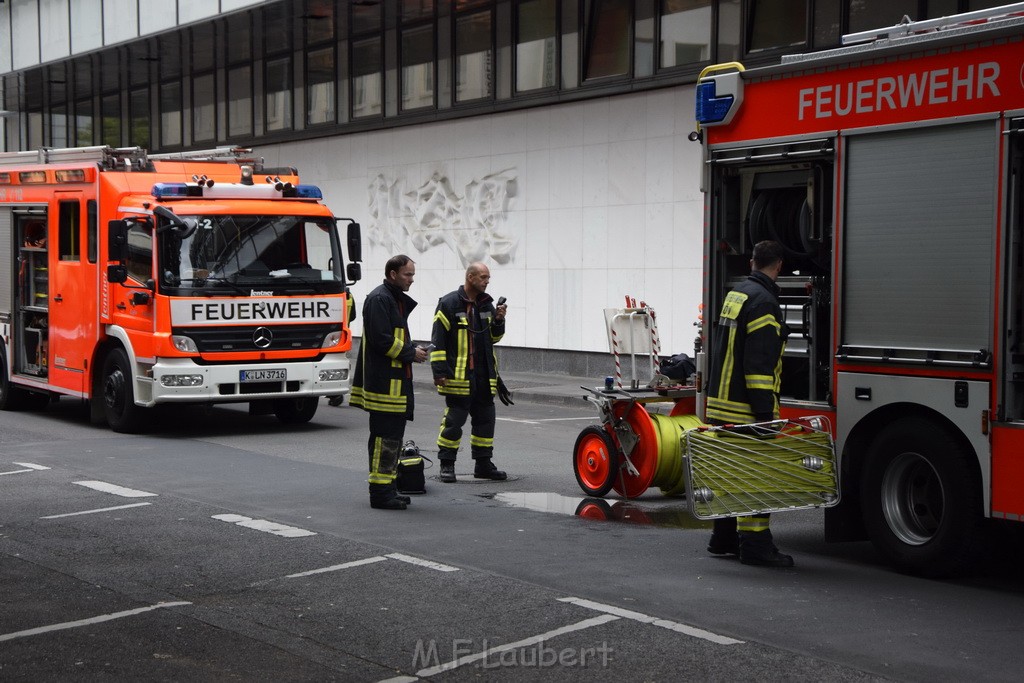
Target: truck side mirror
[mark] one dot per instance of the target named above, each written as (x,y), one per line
(355,244)
(117,240)
(117,274)
(354,272)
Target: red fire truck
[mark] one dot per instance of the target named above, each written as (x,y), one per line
(131,280)
(890,170)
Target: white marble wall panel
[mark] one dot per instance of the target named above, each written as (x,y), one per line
(24,34)
(574,207)
(55,30)
(5,32)
(86,25)
(194,10)
(158,16)
(120,21)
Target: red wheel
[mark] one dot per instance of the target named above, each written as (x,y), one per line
(594,508)
(644,455)
(595,461)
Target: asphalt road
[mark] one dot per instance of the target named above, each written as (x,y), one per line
(224,546)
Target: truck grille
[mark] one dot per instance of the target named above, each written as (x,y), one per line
(256,338)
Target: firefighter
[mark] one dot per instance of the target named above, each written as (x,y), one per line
(467,324)
(744,388)
(382,383)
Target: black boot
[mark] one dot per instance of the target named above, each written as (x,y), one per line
(758,550)
(447,474)
(485,469)
(394,490)
(383,497)
(724,538)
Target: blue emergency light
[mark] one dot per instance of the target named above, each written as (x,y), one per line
(718,98)
(308,192)
(171,190)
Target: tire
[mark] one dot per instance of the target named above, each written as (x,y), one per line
(294,411)
(921,499)
(119,407)
(594,508)
(595,461)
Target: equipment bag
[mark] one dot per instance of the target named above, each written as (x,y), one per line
(409,475)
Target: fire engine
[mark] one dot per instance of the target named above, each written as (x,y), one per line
(890,169)
(131,280)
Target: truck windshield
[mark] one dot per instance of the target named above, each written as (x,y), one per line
(242,252)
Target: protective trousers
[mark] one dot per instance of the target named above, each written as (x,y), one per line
(753,531)
(479,407)
(385,445)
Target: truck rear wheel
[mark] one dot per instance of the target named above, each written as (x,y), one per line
(119,394)
(293,411)
(921,499)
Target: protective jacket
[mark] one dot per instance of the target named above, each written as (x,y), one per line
(747,362)
(382,381)
(464,335)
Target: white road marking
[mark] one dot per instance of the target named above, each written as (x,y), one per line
(543,420)
(423,563)
(337,567)
(89,621)
(29,467)
(400,679)
(526,642)
(663,623)
(522,422)
(115,489)
(265,525)
(92,512)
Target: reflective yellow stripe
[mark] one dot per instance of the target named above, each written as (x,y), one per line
(481,442)
(443,319)
(462,362)
(766,382)
(767,320)
(751,524)
(397,345)
(733,304)
(727,367)
(436,356)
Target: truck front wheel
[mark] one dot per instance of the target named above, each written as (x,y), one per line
(293,411)
(921,499)
(119,394)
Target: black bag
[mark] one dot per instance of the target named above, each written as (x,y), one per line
(410,477)
(679,366)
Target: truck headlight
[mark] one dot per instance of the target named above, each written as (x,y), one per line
(184,344)
(333,375)
(181,380)
(332,339)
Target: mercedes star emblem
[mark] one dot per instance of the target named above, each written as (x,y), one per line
(262,337)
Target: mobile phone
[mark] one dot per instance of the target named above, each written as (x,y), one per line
(501,300)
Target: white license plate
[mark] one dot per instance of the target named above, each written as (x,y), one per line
(263,375)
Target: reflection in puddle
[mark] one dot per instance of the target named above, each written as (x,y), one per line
(671,513)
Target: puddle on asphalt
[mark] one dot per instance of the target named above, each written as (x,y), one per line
(672,512)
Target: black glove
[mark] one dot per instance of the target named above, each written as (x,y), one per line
(504,395)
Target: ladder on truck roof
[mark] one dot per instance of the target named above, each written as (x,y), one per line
(906,27)
(126,158)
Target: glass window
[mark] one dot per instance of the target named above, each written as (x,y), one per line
(111,117)
(202,47)
(83,124)
(474,55)
(240,101)
(685,32)
(170,49)
(367,83)
(170,114)
(83,78)
(827,23)
(91,234)
(319,18)
(139,261)
(69,241)
(777,23)
(416,9)
(536,59)
(204,118)
(277,27)
(418,67)
(59,125)
(365,17)
(608,38)
(139,103)
(239,38)
(279,94)
(729,14)
(320,87)
(869,14)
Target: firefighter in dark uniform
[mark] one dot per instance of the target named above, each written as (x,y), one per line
(382,383)
(744,387)
(467,324)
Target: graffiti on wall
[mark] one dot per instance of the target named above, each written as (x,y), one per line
(473,226)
